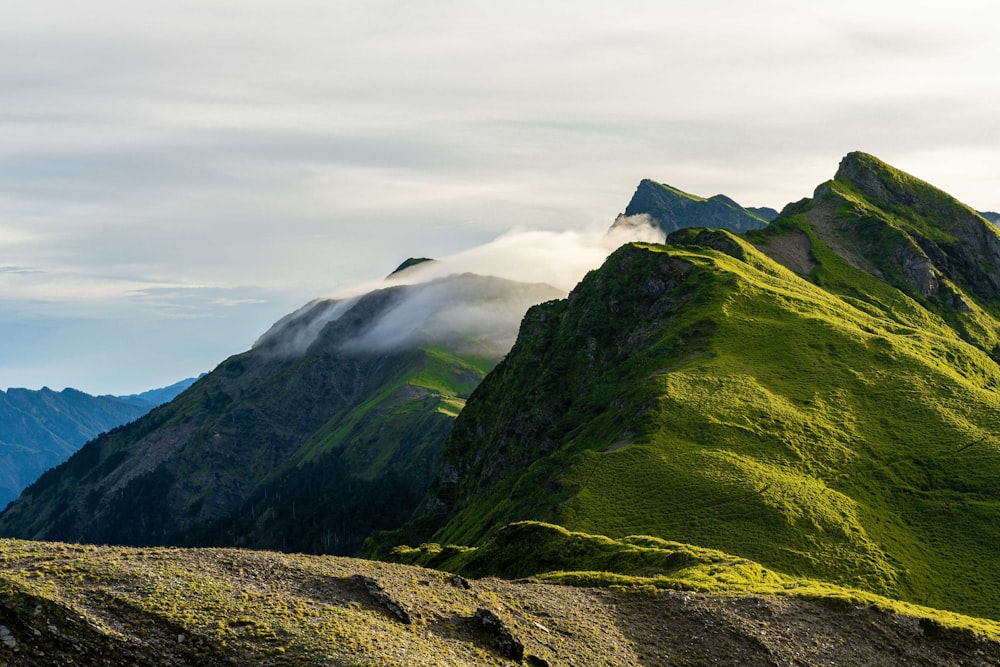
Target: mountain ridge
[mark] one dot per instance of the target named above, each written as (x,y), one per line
(42,428)
(758,388)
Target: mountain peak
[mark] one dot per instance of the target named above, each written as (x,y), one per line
(889,187)
(671,209)
(880,181)
(409,262)
(943,235)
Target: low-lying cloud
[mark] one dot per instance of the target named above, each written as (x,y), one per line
(472,301)
(559,259)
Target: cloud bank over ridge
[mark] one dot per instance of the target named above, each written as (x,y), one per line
(472,301)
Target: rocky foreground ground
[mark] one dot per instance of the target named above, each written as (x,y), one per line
(84,605)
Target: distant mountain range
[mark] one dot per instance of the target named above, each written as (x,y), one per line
(806,404)
(41,429)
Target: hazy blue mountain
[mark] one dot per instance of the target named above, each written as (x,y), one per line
(155,397)
(41,429)
(764,212)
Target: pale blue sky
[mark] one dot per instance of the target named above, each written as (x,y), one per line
(175,176)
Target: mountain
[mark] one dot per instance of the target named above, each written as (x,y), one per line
(41,429)
(991,216)
(763,212)
(330,427)
(66,604)
(406,264)
(671,209)
(150,399)
(819,397)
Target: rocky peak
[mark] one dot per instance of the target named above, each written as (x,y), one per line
(933,238)
(873,178)
(672,209)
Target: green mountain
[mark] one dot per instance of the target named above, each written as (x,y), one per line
(330,427)
(820,397)
(41,429)
(671,209)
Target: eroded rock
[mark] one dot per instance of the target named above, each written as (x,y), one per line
(507,644)
(378,594)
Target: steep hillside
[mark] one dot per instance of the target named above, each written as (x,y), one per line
(836,421)
(78,605)
(330,427)
(41,429)
(671,209)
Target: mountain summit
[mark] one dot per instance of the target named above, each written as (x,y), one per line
(671,209)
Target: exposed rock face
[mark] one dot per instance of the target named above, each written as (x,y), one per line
(918,270)
(507,644)
(375,590)
(671,209)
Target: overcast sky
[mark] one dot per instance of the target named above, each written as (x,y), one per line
(175,176)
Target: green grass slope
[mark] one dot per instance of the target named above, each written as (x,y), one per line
(703,393)
(365,469)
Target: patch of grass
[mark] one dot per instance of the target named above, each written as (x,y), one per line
(553,554)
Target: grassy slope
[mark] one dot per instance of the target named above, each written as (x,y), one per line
(819,435)
(363,470)
(552,553)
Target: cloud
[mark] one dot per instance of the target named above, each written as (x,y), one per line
(294,333)
(558,258)
(468,313)
(232,303)
(472,301)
